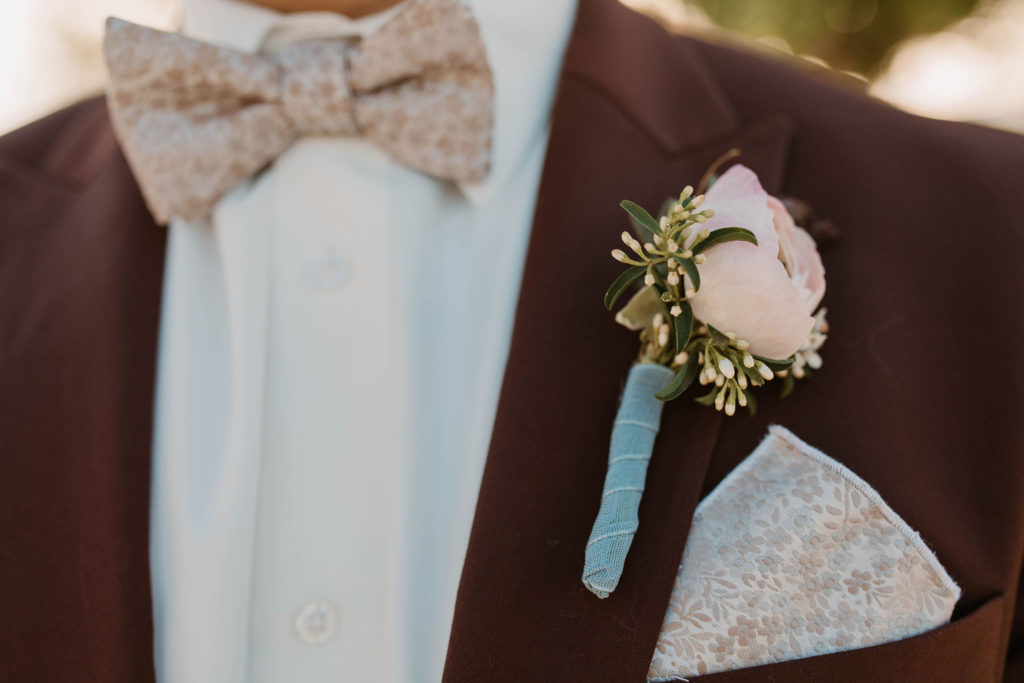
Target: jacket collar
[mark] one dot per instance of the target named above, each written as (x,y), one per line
(637,116)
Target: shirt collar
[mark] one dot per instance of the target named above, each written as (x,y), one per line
(525,42)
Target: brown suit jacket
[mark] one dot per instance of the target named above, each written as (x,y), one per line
(921,393)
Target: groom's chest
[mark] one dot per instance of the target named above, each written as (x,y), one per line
(898,401)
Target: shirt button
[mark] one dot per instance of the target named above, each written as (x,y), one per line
(329,272)
(316,622)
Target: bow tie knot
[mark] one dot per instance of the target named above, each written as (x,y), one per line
(195,120)
(314,88)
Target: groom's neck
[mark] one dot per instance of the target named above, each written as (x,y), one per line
(350,8)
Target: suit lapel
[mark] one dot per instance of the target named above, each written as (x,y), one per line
(636,117)
(81,291)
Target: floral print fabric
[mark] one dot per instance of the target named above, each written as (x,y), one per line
(195,120)
(793,555)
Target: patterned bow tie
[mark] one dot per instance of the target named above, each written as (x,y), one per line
(195,120)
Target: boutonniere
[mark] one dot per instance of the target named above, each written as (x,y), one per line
(728,289)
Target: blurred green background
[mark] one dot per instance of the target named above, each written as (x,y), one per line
(850,35)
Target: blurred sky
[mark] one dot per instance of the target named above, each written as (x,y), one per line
(956,59)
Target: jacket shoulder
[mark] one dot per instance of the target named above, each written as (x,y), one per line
(837,110)
(66,147)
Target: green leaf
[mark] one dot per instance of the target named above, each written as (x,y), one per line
(683,327)
(751,402)
(709,398)
(752,374)
(681,382)
(691,271)
(640,310)
(722,235)
(621,283)
(719,338)
(788,384)
(776,365)
(641,217)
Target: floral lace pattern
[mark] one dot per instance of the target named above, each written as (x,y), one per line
(793,555)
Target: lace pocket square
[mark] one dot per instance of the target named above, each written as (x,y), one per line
(793,555)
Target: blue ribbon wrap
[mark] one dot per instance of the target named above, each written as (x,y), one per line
(636,426)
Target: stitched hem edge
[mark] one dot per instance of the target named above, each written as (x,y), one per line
(868,491)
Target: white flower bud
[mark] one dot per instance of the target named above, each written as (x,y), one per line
(813,360)
(687,191)
(725,366)
(765,371)
(649,280)
(741,379)
(703,234)
(626,237)
(742,345)
(676,311)
(663,223)
(742,399)
(748,360)
(663,337)
(619,255)
(730,407)
(687,254)
(719,380)
(672,246)
(709,213)
(697,201)
(690,292)
(681,358)
(659,320)
(699,259)
(635,245)
(673,278)
(649,247)
(719,401)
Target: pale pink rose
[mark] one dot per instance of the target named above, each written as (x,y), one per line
(799,253)
(746,289)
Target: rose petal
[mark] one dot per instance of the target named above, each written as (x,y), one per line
(739,201)
(798,249)
(745,289)
(753,297)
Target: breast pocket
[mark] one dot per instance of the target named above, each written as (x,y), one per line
(791,557)
(963,651)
